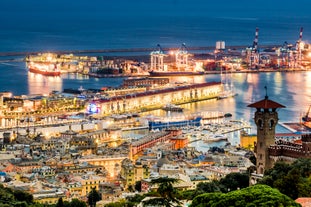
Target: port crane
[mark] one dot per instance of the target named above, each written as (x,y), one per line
(182,58)
(252,53)
(157,59)
(299,47)
(290,55)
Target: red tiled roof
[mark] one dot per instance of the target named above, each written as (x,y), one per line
(304,201)
(266,104)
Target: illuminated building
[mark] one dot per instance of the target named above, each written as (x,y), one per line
(156,99)
(131,173)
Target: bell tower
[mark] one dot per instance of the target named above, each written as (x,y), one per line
(266,119)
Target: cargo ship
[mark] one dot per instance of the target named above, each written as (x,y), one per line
(166,124)
(47,69)
(175,73)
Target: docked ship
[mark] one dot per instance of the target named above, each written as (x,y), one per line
(166,124)
(47,69)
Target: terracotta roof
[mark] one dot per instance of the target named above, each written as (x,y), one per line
(266,104)
(304,201)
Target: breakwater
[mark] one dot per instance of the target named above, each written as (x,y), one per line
(124,50)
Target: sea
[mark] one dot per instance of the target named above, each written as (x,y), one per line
(47,26)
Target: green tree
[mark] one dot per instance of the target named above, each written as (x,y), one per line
(23,196)
(257,195)
(77,203)
(209,187)
(121,203)
(292,180)
(166,193)
(60,203)
(93,197)
(138,186)
(234,181)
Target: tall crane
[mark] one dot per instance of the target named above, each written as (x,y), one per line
(157,59)
(299,47)
(253,52)
(182,58)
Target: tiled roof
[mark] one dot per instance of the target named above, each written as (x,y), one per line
(266,104)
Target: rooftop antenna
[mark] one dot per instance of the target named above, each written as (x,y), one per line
(266,97)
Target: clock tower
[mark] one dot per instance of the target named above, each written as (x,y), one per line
(266,118)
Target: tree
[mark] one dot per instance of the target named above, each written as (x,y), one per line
(257,195)
(209,187)
(23,196)
(138,186)
(93,197)
(292,180)
(234,181)
(60,202)
(166,193)
(77,203)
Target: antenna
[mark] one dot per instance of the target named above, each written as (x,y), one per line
(266,97)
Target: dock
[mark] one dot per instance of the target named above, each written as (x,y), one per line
(123,50)
(295,127)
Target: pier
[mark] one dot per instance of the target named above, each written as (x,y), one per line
(123,50)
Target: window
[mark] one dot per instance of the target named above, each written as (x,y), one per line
(271,124)
(260,123)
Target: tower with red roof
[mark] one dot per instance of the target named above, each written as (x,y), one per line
(266,119)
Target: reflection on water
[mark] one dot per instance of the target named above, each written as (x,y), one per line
(291,89)
(40,84)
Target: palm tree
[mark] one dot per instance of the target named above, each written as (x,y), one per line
(166,193)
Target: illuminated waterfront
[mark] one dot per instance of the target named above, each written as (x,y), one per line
(291,89)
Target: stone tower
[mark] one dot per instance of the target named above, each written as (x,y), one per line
(266,118)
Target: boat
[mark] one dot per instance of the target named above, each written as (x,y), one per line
(178,123)
(173,108)
(306,118)
(47,69)
(227,115)
(175,73)
(215,138)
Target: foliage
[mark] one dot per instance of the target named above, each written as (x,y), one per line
(60,203)
(23,196)
(77,203)
(209,187)
(93,197)
(292,180)
(234,181)
(258,195)
(120,203)
(138,186)
(136,199)
(167,193)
